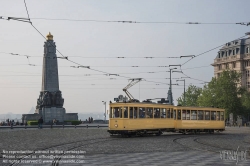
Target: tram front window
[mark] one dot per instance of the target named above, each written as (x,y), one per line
(116,112)
(200,115)
(156,112)
(141,112)
(222,116)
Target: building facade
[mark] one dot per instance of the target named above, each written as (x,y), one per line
(235,55)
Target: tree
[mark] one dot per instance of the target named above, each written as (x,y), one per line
(223,92)
(191,96)
(245,101)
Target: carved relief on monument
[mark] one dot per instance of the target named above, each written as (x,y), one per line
(50,99)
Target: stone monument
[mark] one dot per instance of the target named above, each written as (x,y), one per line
(50,101)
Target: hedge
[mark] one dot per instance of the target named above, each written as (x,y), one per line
(32,123)
(74,122)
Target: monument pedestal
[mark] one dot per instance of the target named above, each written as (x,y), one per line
(50,113)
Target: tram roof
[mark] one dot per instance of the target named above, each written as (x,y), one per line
(161,104)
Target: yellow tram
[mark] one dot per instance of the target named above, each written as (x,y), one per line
(154,118)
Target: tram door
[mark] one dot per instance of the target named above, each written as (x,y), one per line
(178,119)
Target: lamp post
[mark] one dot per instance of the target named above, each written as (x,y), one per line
(104,102)
(184,91)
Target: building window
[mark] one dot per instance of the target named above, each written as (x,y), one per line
(222,53)
(248,84)
(219,67)
(227,66)
(226,54)
(247,50)
(247,73)
(218,55)
(218,75)
(233,52)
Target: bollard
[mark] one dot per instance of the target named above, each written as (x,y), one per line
(87,126)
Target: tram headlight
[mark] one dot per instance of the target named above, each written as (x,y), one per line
(116,125)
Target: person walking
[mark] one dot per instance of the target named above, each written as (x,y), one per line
(40,123)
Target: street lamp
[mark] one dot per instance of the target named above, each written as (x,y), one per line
(184,91)
(104,102)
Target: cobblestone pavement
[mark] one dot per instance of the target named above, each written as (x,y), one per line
(101,149)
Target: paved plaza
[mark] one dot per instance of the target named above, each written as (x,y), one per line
(96,147)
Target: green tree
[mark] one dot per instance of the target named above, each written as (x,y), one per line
(245,101)
(223,92)
(191,96)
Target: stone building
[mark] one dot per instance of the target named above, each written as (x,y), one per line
(235,55)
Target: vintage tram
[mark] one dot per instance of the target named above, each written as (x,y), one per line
(138,118)
(155,118)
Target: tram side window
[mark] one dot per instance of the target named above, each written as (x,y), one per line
(213,115)
(218,115)
(222,116)
(156,112)
(135,112)
(183,114)
(168,112)
(131,113)
(188,115)
(207,115)
(141,112)
(125,112)
(200,115)
(116,112)
(120,112)
(171,113)
(163,113)
(174,114)
(149,113)
(193,115)
(179,115)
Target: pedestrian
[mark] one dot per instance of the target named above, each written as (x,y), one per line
(89,120)
(40,123)
(54,121)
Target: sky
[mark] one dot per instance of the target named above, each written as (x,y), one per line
(98,43)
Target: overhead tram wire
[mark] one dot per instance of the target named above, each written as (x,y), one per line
(212,49)
(67,57)
(143,22)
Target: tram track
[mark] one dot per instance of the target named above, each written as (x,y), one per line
(207,148)
(61,147)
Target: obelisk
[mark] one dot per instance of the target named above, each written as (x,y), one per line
(50,101)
